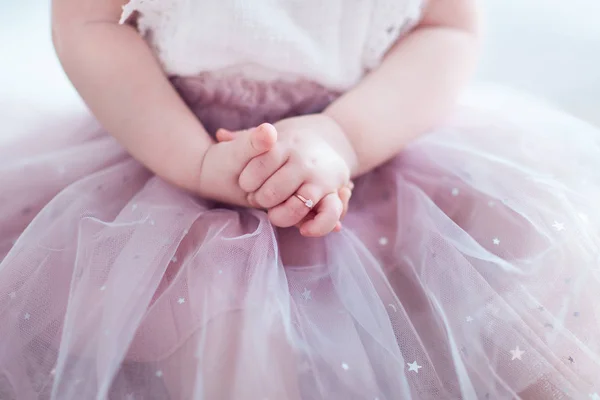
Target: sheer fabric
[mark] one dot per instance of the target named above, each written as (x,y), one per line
(468,268)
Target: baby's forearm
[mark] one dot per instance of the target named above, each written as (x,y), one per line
(408,95)
(122,83)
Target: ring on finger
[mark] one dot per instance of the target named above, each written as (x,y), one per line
(307,202)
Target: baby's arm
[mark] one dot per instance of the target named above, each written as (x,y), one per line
(414,87)
(122,83)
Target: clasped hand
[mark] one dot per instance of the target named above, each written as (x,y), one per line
(291,169)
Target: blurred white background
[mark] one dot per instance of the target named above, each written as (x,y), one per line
(548,47)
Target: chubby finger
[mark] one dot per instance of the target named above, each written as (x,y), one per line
(308,216)
(254,142)
(311,215)
(294,210)
(261,169)
(345,194)
(329,211)
(278,188)
(338,227)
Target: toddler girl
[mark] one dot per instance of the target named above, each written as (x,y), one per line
(192,247)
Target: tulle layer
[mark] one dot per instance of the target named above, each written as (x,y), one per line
(468,269)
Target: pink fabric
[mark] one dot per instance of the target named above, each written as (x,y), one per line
(468,269)
(235,102)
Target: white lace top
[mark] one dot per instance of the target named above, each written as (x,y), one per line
(329,42)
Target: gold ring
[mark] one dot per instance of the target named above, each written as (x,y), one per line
(307,202)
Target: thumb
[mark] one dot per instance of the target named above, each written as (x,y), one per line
(255,142)
(345,194)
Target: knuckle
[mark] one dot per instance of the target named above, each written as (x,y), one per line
(269,196)
(309,165)
(261,163)
(304,166)
(296,140)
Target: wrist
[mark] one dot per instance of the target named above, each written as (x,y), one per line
(189,167)
(341,142)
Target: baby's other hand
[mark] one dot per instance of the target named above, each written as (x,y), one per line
(304,164)
(224,162)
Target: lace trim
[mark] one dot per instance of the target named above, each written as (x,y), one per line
(389,21)
(157,21)
(153,14)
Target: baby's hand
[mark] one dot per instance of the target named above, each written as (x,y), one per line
(224,162)
(303,180)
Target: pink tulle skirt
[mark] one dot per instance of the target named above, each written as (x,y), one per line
(468,269)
